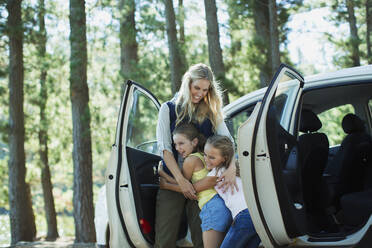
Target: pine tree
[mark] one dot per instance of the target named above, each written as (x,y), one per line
(82,149)
(22,218)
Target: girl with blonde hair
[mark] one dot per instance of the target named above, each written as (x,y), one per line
(198,102)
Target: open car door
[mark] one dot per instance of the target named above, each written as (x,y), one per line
(268,157)
(131,182)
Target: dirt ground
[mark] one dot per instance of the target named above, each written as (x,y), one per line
(64,242)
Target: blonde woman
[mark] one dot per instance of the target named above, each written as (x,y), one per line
(198,102)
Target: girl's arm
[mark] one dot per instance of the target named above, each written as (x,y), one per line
(203,184)
(189,166)
(186,187)
(187,169)
(164,139)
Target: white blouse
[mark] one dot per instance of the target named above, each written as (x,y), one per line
(163,133)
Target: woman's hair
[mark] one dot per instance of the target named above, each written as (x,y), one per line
(210,106)
(224,145)
(191,132)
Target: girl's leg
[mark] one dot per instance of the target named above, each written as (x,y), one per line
(212,238)
(169,209)
(241,233)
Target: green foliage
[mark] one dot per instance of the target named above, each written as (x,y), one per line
(342,40)
(244,55)
(331,123)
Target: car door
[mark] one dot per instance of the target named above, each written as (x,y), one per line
(132,171)
(268,157)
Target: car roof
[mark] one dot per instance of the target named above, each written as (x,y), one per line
(329,79)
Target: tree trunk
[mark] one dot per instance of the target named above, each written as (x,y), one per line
(262,39)
(181,21)
(176,61)
(274,37)
(22,219)
(214,47)
(82,148)
(369,30)
(354,39)
(47,186)
(128,42)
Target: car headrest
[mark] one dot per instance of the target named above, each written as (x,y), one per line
(309,121)
(352,124)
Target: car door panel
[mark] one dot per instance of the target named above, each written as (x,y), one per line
(269,162)
(133,174)
(145,186)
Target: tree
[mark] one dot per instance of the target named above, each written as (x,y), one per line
(47,186)
(262,38)
(369,30)
(22,219)
(181,21)
(354,39)
(274,37)
(82,148)
(177,61)
(128,42)
(214,47)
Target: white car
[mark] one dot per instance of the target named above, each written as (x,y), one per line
(300,191)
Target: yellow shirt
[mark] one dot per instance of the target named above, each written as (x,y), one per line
(205,195)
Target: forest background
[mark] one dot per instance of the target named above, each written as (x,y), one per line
(75,56)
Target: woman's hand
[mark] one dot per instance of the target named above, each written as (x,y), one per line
(227,178)
(187,189)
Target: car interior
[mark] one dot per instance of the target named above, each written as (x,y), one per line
(336,179)
(335,176)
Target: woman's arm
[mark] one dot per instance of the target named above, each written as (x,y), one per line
(163,136)
(165,175)
(228,178)
(186,187)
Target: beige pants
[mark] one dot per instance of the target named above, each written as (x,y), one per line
(169,209)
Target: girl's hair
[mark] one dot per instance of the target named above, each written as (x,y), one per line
(209,107)
(191,132)
(224,145)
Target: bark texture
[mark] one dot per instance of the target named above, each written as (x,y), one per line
(128,42)
(47,186)
(82,148)
(274,37)
(22,219)
(354,39)
(369,30)
(181,21)
(262,38)
(214,46)
(177,61)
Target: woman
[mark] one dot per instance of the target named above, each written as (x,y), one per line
(199,102)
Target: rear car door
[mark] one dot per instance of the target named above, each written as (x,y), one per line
(268,157)
(132,171)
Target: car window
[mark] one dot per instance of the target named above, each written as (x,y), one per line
(234,122)
(332,123)
(283,102)
(141,132)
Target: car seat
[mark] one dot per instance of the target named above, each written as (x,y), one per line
(348,167)
(314,147)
